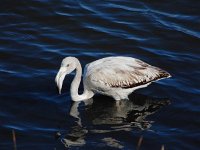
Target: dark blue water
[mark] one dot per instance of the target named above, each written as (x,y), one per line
(35,35)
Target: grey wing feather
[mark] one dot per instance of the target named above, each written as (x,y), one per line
(126,73)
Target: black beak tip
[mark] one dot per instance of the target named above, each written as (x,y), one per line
(57,89)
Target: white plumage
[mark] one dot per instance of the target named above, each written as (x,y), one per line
(112,76)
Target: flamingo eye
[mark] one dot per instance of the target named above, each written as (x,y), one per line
(67,65)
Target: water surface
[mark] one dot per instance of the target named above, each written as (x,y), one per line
(36,35)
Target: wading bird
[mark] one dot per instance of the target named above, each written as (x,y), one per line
(116,77)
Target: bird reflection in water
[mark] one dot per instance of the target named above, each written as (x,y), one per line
(104,115)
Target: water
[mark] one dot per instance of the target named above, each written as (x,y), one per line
(36,35)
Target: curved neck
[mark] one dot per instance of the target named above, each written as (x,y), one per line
(75,85)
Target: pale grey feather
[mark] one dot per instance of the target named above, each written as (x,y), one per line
(123,72)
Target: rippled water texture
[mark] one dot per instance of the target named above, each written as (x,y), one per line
(35,35)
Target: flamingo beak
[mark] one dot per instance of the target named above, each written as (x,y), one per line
(60,78)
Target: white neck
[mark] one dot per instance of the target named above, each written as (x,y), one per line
(75,85)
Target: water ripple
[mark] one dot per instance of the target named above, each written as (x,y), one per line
(37,34)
